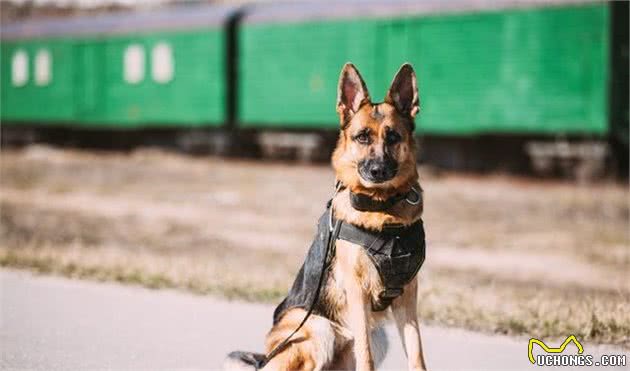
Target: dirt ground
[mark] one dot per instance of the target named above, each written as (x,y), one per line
(505,255)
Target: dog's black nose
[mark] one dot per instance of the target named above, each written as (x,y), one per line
(378,170)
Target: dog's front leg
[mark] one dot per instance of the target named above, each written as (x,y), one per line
(357,301)
(404,310)
(358,323)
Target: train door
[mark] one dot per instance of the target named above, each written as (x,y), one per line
(88,73)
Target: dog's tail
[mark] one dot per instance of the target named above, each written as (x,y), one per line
(242,361)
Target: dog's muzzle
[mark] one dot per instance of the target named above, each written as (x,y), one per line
(378,170)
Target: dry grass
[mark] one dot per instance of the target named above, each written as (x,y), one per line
(505,255)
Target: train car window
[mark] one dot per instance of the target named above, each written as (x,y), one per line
(19,68)
(162,63)
(43,67)
(134,64)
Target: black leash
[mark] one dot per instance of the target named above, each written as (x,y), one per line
(333,232)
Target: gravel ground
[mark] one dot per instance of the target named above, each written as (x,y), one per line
(505,255)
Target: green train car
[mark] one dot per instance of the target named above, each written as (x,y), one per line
(497,69)
(157,69)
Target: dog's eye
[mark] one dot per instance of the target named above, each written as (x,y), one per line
(362,138)
(392,137)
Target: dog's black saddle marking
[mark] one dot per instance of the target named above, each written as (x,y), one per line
(397,253)
(302,293)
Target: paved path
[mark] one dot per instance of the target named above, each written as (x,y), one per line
(50,323)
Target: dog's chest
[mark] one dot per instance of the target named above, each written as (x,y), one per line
(352,269)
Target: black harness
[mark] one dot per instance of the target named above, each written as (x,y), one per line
(397,253)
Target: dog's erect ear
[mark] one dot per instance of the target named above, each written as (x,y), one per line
(403,93)
(351,93)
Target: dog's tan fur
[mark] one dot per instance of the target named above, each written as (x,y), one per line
(354,280)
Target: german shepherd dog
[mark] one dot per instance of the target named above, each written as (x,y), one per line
(375,159)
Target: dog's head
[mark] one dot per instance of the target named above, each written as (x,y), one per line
(376,148)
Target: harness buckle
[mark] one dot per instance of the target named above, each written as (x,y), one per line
(416,200)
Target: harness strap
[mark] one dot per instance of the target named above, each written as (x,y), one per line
(371,240)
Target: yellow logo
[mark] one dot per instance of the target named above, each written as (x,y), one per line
(559,349)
